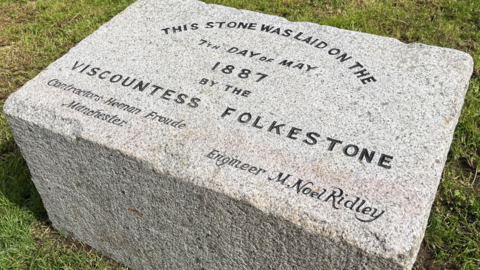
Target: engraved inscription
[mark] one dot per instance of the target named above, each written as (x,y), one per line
(243,73)
(356,68)
(225,75)
(307,137)
(96,113)
(334,196)
(222,160)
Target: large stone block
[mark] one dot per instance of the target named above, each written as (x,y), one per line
(182,135)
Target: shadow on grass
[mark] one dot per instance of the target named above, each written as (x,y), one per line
(425,262)
(15,181)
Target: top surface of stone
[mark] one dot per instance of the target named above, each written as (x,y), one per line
(365,121)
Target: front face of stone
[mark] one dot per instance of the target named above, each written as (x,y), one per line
(342,133)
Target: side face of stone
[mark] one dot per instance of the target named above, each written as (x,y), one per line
(210,137)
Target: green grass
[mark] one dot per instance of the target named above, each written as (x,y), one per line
(35,33)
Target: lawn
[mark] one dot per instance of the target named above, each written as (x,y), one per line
(35,33)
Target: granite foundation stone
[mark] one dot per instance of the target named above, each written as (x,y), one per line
(182,135)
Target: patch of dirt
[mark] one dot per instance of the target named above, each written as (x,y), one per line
(425,262)
(469,44)
(47,239)
(475,178)
(476,183)
(470,172)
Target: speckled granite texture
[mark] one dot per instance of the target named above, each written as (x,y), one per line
(182,135)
